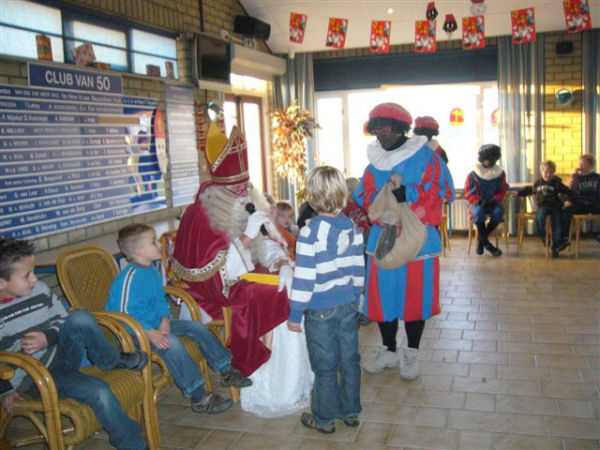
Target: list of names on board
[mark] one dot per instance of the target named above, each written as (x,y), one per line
(71,158)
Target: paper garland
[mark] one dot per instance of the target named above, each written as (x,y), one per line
(297,27)
(380,36)
(425,36)
(577,15)
(473,32)
(336,32)
(523,26)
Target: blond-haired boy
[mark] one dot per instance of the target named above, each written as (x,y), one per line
(328,280)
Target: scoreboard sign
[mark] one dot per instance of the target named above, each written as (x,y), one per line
(74,151)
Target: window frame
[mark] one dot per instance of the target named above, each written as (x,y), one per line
(71,13)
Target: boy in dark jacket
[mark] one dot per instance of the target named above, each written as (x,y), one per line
(585,193)
(548,191)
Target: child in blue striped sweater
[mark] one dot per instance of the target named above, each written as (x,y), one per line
(328,280)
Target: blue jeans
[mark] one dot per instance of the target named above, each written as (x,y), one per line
(81,335)
(556,220)
(332,341)
(182,367)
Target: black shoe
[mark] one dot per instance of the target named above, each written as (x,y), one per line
(133,361)
(564,244)
(212,404)
(555,253)
(308,421)
(495,251)
(350,421)
(234,378)
(480,245)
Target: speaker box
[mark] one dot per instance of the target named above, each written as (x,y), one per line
(252,27)
(564,48)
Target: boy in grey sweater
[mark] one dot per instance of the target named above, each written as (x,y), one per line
(33,321)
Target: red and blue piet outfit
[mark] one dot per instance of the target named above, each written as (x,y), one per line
(409,292)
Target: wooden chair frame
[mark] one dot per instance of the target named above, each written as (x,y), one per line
(523,216)
(576,222)
(51,430)
(500,231)
(444,234)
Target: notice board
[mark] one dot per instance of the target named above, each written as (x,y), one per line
(74,151)
(183,153)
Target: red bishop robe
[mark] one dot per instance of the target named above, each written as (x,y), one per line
(257,308)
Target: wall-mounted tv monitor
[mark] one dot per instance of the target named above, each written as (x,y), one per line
(212,59)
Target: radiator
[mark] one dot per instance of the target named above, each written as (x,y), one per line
(459,215)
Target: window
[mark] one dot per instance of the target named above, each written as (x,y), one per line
(110,46)
(461,142)
(330,136)
(20,21)
(124,48)
(148,48)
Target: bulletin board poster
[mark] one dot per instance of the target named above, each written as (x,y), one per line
(183,146)
(74,151)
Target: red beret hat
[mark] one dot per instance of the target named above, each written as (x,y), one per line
(391,111)
(426,122)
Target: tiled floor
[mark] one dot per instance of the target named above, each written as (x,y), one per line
(512,362)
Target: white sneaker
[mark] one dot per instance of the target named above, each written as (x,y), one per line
(382,359)
(410,364)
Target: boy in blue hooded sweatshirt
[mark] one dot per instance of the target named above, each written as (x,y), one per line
(328,280)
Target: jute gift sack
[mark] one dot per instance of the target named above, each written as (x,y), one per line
(402,235)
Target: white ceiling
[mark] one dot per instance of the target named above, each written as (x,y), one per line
(549,16)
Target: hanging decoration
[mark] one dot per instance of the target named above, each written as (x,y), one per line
(450,25)
(478,8)
(297,27)
(336,32)
(431,13)
(290,127)
(577,15)
(473,32)
(523,25)
(494,117)
(380,36)
(425,36)
(457,117)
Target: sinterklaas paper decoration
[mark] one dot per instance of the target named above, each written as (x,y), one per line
(523,25)
(336,32)
(473,32)
(297,27)
(424,36)
(380,36)
(577,15)
(84,54)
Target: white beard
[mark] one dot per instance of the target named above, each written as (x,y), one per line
(228,214)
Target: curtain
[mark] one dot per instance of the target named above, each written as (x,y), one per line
(521,91)
(297,84)
(591,91)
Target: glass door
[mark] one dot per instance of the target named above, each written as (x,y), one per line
(246,113)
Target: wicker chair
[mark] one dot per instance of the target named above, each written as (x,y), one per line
(132,388)
(85,275)
(176,288)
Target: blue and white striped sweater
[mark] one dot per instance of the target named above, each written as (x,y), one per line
(330,265)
